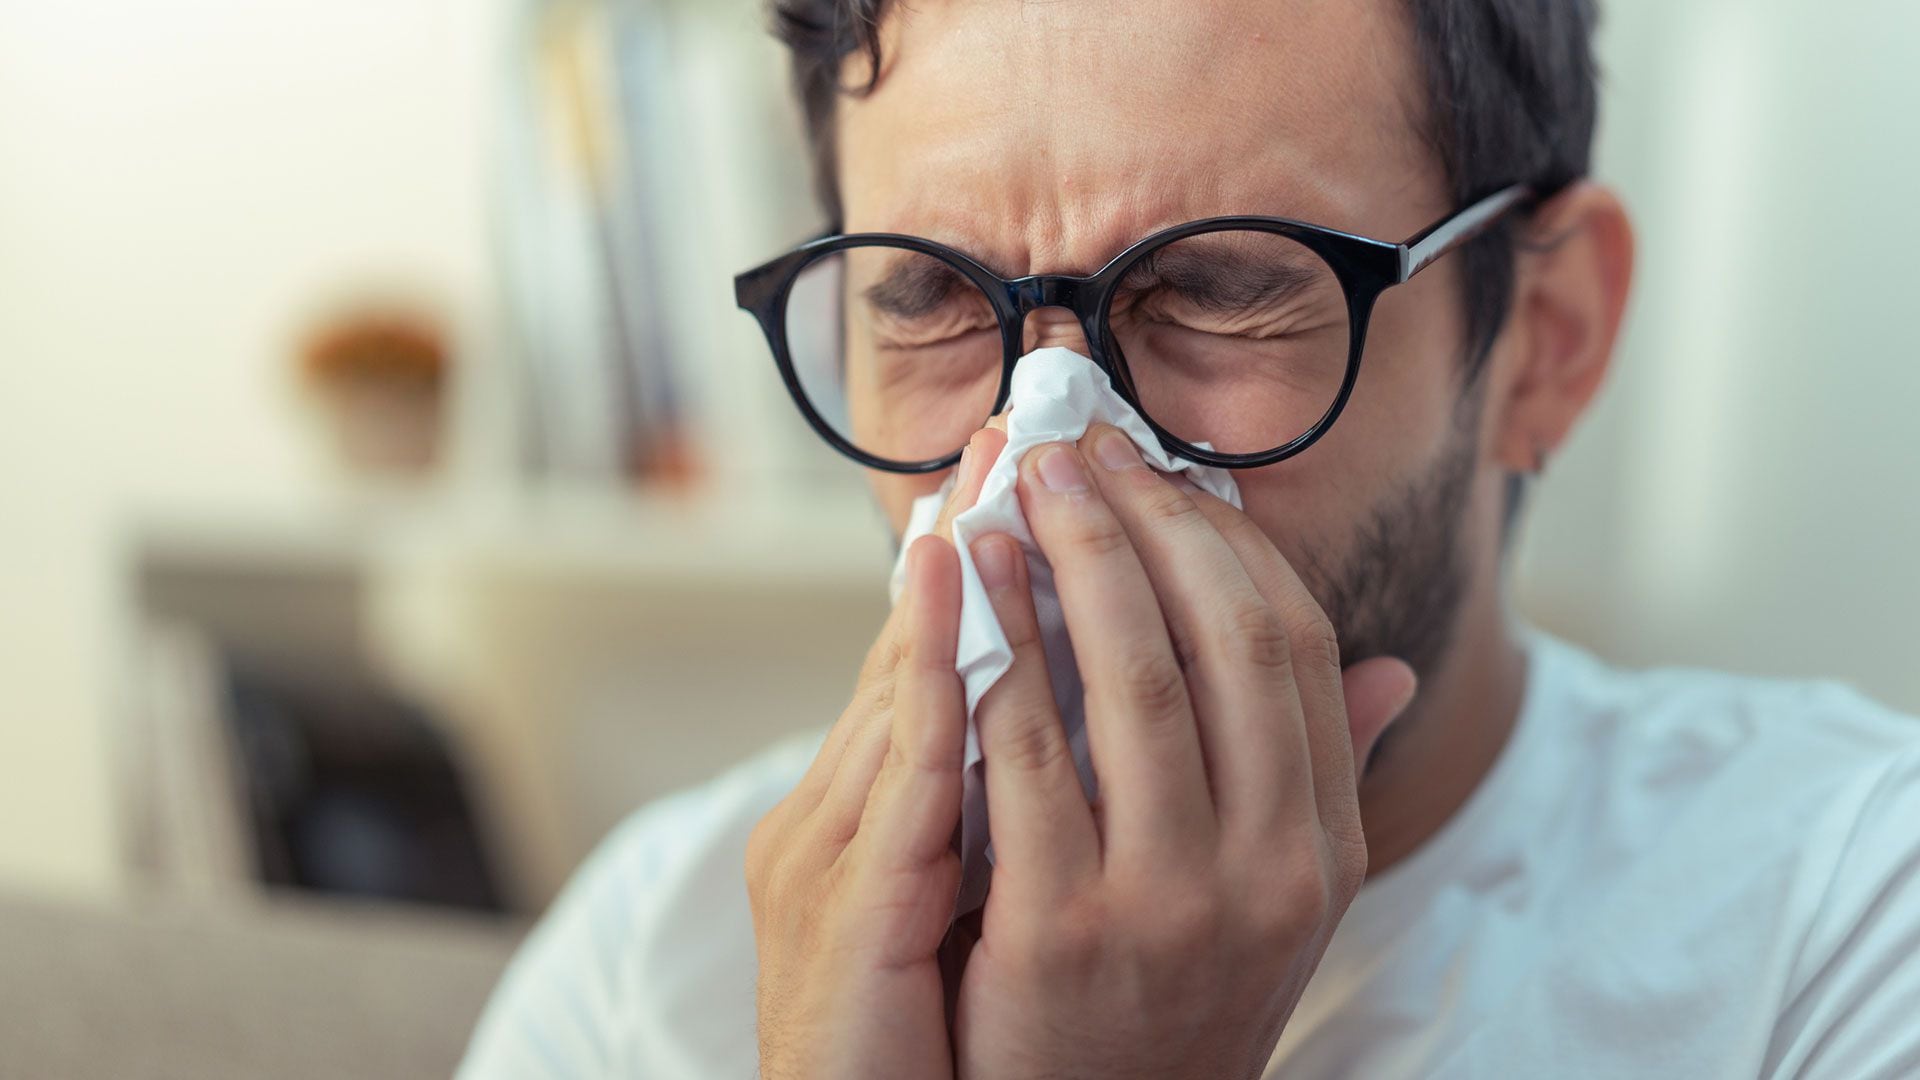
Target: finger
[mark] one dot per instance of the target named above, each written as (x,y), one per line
(1316,661)
(1232,642)
(872,695)
(909,819)
(872,702)
(863,726)
(1043,831)
(1377,691)
(1153,783)
(975,461)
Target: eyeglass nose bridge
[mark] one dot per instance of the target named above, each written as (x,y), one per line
(1048,290)
(1074,294)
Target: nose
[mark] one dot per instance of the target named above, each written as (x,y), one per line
(1053,326)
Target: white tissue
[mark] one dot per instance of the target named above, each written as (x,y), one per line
(1056,395)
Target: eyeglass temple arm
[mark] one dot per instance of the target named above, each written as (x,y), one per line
(1421,251)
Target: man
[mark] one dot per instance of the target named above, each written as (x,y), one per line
(1569,870)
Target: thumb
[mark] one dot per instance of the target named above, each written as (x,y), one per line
(1377,690)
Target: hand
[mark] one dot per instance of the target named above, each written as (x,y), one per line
(852,876)
(1169,930)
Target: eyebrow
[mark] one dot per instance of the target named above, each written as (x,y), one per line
(914,286)
(1223,280)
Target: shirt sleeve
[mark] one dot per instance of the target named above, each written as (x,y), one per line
(556,1011)
(1853,1012)
(644,966)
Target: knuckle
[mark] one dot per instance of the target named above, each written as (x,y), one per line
(1256,637)
(1308,904)
(1155,685)
(917,654)
(914,753)
(829,827)
(1313,637)
(904,759)
(1318,900)
(872,695)
(896,757)
(1160,503)
(875,700)
(1293,893)
(882,655)
(776,878)
(1031,742)
(1300,913)
(1097,533)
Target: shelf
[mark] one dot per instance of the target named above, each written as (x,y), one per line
(834,535)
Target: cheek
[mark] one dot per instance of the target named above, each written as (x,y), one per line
(1399,420)
(1308,515)
(1403,410)
(896,493)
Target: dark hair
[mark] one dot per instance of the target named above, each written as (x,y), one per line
(1511,97)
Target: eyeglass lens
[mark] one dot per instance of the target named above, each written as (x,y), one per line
(1235,339)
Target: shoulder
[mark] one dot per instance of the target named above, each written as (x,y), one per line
(1670,796)
(1787,803)
(645,964)
(1726,866)
(1683,730)
(1854,989)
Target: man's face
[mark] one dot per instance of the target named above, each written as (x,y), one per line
(1046,137)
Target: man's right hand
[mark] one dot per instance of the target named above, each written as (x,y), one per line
(852,876)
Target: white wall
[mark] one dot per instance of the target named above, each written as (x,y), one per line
(1747,494)
(181,184)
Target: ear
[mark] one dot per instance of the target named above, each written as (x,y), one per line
(1571,280)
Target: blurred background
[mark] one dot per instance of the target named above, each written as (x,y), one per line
(391,498)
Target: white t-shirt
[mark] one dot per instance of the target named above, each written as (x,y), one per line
(1666,874)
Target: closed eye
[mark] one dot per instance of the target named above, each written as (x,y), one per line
(915,286)
(1240,284)
(1210,278)
(920,301)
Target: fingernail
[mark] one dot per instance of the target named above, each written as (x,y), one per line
(1060,470)
(1116,452)
(993,557)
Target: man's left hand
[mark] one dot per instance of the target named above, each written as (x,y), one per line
(1169,930)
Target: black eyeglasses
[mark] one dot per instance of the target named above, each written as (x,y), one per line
(1238,339)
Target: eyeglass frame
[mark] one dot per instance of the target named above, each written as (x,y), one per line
(1365,268)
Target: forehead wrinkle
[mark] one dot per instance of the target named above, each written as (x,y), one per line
(1082,233)
(1003,167)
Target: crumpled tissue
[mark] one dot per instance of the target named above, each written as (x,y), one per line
(1056,395)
